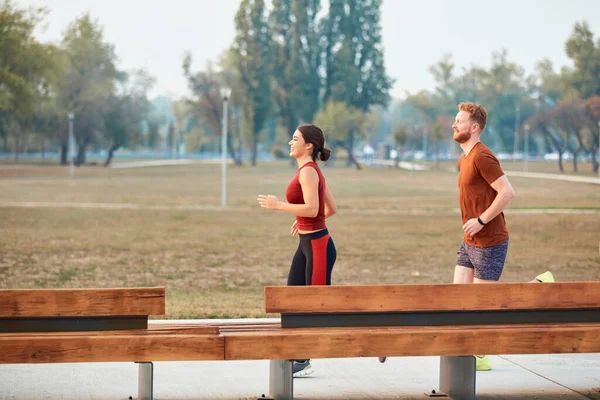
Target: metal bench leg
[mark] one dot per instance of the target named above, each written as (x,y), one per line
(281,384)
(145,381)
(457,377)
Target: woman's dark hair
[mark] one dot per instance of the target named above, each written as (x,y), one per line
(313,134)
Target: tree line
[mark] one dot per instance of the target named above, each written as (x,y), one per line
(291,62)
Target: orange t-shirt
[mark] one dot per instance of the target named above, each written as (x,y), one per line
(478,171)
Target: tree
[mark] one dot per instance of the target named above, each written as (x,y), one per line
(591,108)
(251,53)
(357,63)
(442,124)
(447,92)
(354,65)
(428,109)
(343,125)
(26,70)
(182,114)
(153,136)
(580,48)
(400,139)
(542,124)
(568,118)
(296,60)
(549,86)
(127,111)
(171,139)
(208,104)
(48,121)
(87,82)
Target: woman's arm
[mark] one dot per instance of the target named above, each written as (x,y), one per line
(330,206)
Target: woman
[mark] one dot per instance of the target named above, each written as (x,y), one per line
(310,200)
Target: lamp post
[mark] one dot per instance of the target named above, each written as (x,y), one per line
(526,147)
(71,145)
(225,94)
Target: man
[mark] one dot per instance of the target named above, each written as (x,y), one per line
(484,193)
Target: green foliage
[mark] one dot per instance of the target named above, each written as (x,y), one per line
(27,68)
(86,86)
(296,60)
(126,113)
(353,54)
(252,55)
(585,54)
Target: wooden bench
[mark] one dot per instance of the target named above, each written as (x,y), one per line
(451,321)
(99,325)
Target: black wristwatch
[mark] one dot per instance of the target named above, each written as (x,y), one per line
(480,221)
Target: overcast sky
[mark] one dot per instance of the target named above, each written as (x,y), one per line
(416,33)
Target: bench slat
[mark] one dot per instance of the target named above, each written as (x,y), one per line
(438,297)
(303,343)
(82,302)
(109,348)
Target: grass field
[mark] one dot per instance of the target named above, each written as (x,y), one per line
(164,226)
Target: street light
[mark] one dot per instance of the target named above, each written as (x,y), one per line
(526,147)
(71,145)
(225,94)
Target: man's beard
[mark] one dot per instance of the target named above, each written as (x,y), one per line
(462,137)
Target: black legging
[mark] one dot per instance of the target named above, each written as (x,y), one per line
(313,262)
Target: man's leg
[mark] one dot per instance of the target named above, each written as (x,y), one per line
(464,270)
(463,274)
(488,266)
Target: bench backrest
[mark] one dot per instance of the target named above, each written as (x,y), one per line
(52,310)
(437,304)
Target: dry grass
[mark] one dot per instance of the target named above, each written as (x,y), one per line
(394,227)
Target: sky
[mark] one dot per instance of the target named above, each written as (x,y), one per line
(416,34)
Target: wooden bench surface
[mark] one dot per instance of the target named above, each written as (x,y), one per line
(160,342)
(437,297)
(302,343)
(110,348)
(82,302)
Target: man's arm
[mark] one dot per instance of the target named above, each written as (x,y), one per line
(505,194)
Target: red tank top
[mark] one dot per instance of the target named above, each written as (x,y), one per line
(294,195)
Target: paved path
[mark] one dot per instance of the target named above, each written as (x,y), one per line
(539,377)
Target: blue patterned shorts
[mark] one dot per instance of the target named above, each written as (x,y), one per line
(488,262)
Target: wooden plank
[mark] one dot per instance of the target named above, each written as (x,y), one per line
(182,328)
(81,302)
(109,348)
(285,344)
(153,330)
(436,297)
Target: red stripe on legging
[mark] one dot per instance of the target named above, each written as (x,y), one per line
(319,272)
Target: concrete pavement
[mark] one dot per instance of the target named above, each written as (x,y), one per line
(526,377)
